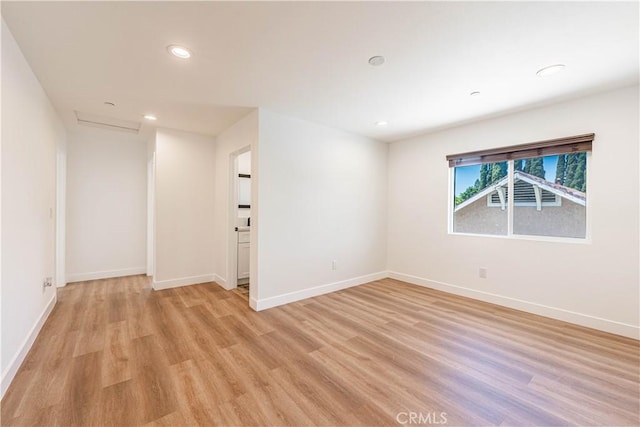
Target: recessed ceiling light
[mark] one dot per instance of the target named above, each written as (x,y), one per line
(381,123)
(551,69)
(474,93)
(179,51)
(150,117)
(376,61)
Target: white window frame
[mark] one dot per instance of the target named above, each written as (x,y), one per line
(510,209)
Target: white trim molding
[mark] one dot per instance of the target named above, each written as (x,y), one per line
(96,275)
(182,281)
(265,303)
(221,281)
(61,217)
(12,369)
(581,319)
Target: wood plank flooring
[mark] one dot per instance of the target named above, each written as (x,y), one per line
(115,353)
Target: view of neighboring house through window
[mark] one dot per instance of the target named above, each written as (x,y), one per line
(550,200)
(472,185)
(550,192)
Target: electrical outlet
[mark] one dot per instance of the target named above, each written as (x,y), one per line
(334,265)
(482,273)
(47,282)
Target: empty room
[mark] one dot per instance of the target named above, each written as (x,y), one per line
(320,213)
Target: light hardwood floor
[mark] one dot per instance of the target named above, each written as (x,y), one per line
(113,352)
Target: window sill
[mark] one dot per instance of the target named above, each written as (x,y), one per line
(571,240)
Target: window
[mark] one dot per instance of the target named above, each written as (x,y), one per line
(548,181)
(473,186)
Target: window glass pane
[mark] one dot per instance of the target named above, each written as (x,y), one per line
(480,203)
(550,196)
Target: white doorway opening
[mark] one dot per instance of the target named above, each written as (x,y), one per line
(239,223)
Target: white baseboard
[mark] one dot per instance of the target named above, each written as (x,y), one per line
(97,275)
(183,281)
(581,319)
(14,365)
(263,304)
(222,282)
(60,281)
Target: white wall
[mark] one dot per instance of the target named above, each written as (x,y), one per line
(31,130)
(594,284)
(239,136)
(322,197)
(106,204)
(184,211)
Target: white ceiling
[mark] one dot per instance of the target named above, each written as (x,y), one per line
(309,59)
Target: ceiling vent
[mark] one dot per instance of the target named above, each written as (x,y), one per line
(95,121)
